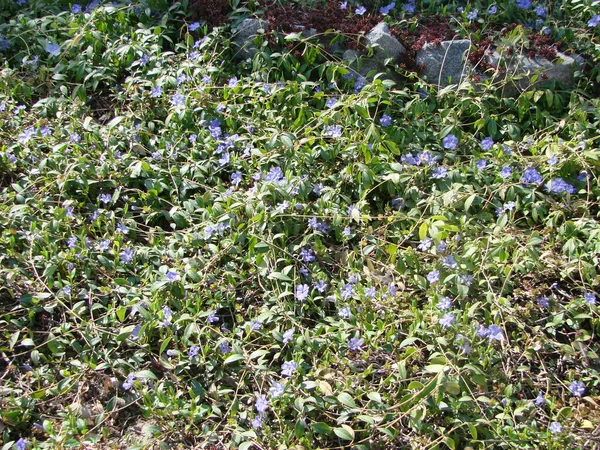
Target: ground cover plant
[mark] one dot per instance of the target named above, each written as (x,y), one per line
(203,251)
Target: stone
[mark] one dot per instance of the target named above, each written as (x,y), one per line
(246,32)
(361,66)
(446,63)
(524,68)
(386,45)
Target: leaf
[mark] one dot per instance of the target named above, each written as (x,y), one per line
(423,230)
(375,396)
(346,399)
(345,432)
(233,358)
(435,368)
(145,375)
(469,202)
(321,428)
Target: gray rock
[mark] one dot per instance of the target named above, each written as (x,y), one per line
(446,63)
(361,66)
(521,69)
(246,32)
(386,45)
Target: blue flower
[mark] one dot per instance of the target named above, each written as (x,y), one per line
(347,292)
(439,172)
(236,178)
(172,276)
(121,228)
(385,10)
(262,404)
(224,348)
(355,344)
(331,102)
(385,120)
(506,172)
(409,7)
(540,400)
(178,100)
(444,303)
(128,384)
(493,10)
(543,302)
(194,26)
(193,351)
(103,245)
(212,317)
(425,244)
(233,82)
(555,427)
(472,14)
(156,91)
(495,333)
(345,312)
(590,298)
(320,286)
(360,10)
(594,21)
(540,11)
(371,292)
(558,186)
(288,368)
(577,388)
(75,138)
(126,255)
(53,49)
(76,9)
(256,422)
(450,142)
(481,164)
(302,292)
(276,390)
(487,143)
(447,320)
(333,131)
(307,255)
(433,276)
(524,4)
(531,176)
(288,335)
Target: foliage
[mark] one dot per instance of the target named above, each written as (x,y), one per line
(198,251)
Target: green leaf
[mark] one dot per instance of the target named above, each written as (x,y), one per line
(346,399)
(321,428)
(233,358)
(344,432)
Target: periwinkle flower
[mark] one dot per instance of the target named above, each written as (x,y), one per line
(331,102)
(261,405)
(212,317)
(481,164)
(257,422)
(128,384)
(345,312)
(224,348)
(543,302)
(126,256)
(276,390)
(194,26)
(531,175)
(577,388)
(156,91)
(425,244)
(555,427)
(385,120)
(333,131)
(487,143)
(288,335)
(320,286)
(594,21)
(288,368)
(385,10)
(172,276)
(444,303)
(371,292)
(493,10)
(193,351)
(348,291)
(447,320)
(21,444)
(439,172)
(495,333)
(360,10)
(307,255)
(232,82)
(506,172)
(450,142)
(559,186)
(540,11)
(236,178)
(355,344)
(524,4)
(540,400)
(433,276)
(105,198)
(410,7)
(302,291)
(472,14)
(177,100)
(103,245)
(590,298)
(53,49)
(75,138)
